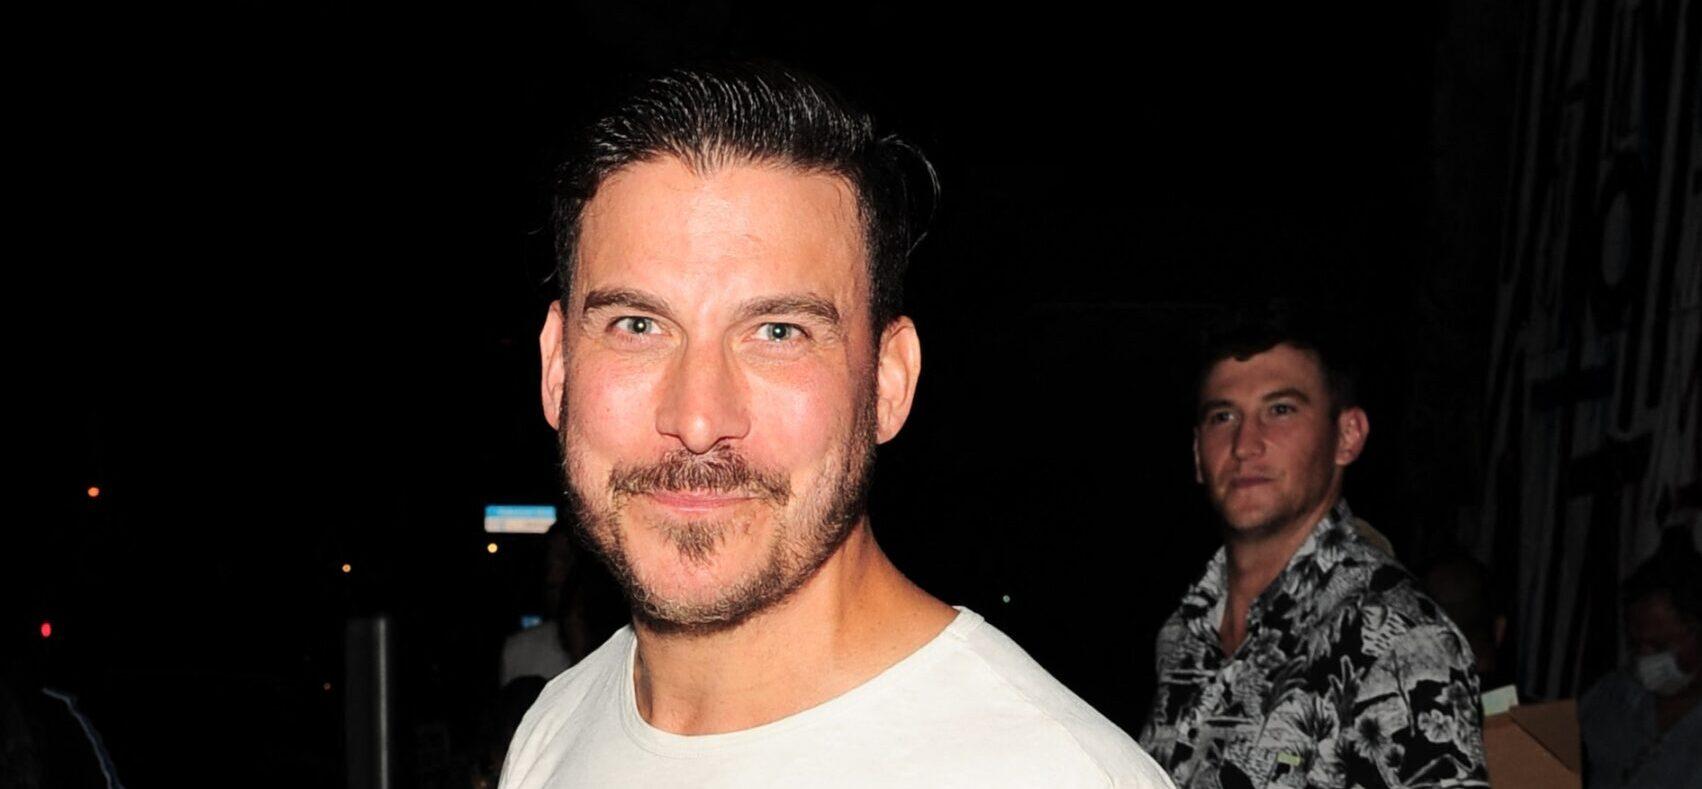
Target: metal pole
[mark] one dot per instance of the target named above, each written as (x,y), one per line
(369,690)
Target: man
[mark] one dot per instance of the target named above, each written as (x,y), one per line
(1642,725)
(581,607)
(551,646)
(726,354)
(1304,656)
(1475,601)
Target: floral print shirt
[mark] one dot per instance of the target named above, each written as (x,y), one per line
(1349,676)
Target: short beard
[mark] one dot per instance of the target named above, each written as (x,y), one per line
(1272,527)
(1260,532)
(801,547)
(721,470)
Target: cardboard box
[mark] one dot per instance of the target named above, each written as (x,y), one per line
(1534,746)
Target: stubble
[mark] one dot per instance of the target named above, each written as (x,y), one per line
(802,539)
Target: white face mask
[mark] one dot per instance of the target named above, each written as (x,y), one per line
(1660,673)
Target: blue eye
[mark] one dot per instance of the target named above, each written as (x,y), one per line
(781,332)
(635,325)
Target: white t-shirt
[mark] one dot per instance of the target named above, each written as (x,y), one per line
(969,708)
(535,651)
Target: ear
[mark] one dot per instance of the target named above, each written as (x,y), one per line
(554,365)
(1199,473)
(1352,428)
(896,372)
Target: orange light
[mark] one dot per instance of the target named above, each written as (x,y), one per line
(327,687)
(490,548)
(46,629)
(94,492)
(346,567)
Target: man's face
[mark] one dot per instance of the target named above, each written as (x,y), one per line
(715,384)
(1266,447)
(1653,625)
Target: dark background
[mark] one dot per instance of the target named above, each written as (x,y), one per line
(278,271)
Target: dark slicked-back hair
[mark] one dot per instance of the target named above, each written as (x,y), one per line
(1250,331)
(714,115)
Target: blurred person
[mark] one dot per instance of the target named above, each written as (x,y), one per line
(580,610)
(727,353)
(542,650)
(1642,725)
(1476,603)
(496,724)
(582,607)
(1305,655)
(1373,537)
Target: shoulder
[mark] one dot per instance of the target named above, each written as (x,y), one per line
(531,637)
(1388,613)
(569,688)
(1172,639)
(1402,677)
(1399,646)
(1006,688)
(1611,697)
(565,701)
(1195,615)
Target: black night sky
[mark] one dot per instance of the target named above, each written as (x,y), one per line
(278,272)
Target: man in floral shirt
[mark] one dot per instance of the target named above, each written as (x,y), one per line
(1304,656)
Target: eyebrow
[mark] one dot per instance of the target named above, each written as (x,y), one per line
(1280,394)
(791,304)
(787,304)
(623,297)
(1289,393)
(1211,405)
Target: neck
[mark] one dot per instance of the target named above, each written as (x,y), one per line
(853,619)
(1253,561)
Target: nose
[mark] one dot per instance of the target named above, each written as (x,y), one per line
(1249,440)
(704,399)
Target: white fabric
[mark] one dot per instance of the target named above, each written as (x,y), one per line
(969,709)
(535,651)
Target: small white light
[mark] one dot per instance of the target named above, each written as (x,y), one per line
(1006,598)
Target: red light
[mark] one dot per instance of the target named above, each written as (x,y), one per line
(46,629)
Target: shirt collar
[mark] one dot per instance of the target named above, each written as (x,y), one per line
(1203,603)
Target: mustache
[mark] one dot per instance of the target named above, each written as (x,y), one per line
(722,470)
